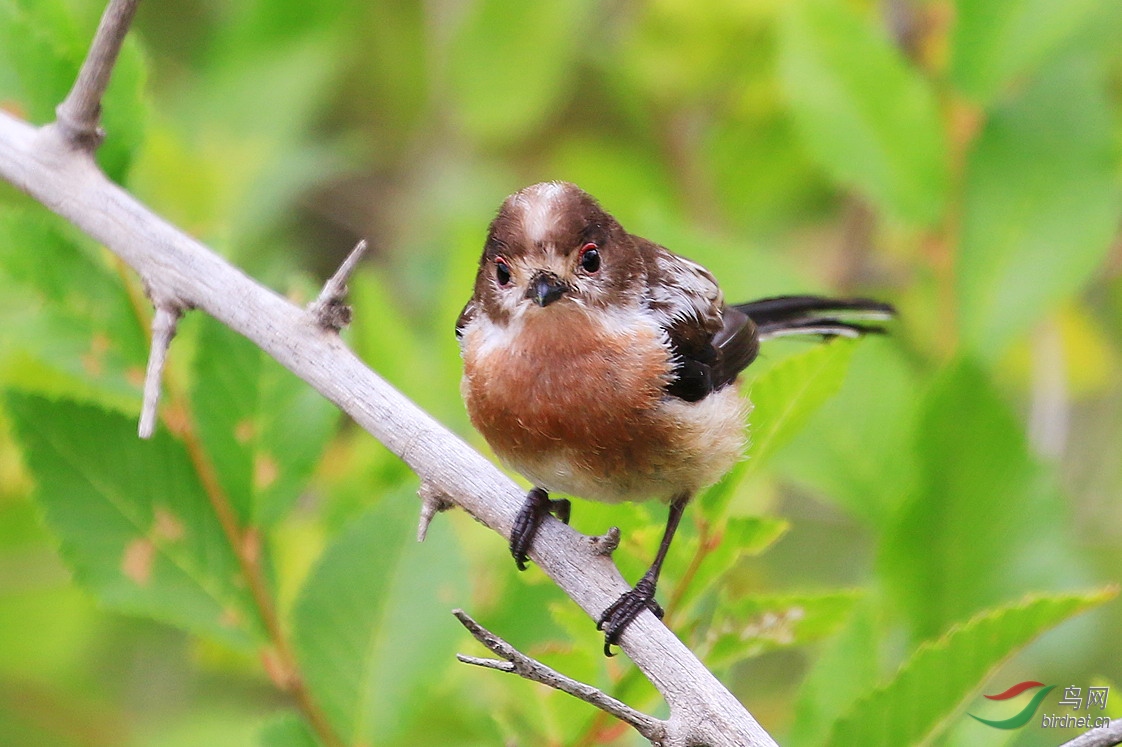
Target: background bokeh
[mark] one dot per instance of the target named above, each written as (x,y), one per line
(961,160)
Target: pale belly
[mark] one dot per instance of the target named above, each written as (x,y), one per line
(580,410)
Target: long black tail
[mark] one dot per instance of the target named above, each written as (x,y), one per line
(816,315)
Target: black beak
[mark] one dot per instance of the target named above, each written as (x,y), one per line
(545,288)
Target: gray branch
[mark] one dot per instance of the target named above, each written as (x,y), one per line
(516,662)
(44,163)
(1104,736)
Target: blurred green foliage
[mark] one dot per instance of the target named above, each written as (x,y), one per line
(961,159)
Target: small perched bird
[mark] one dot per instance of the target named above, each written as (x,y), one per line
(601,365)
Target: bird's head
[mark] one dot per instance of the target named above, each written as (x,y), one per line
(552,246)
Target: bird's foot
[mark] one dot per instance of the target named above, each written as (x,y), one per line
(537,506)
(625,609)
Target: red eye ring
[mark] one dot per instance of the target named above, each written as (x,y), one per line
(589,258)
(502,272)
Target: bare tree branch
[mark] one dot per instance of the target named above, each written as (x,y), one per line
(516,662)
(54,164)
(1104,736)
(41,162)
(79,115)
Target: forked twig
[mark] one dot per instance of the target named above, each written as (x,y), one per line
(516,662)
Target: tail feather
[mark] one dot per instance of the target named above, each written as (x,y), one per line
(815,315)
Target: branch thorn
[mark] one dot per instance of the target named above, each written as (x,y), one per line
(605,544)
(330,310)
(433,501)
(163,330)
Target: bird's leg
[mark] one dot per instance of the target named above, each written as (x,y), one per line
(537,506)
(625,609)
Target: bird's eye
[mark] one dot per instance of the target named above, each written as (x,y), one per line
(502,271)
(590,258)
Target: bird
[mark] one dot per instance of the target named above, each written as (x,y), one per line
(601,365)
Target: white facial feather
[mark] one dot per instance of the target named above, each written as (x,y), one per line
(486,336)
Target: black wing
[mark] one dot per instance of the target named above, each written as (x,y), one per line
(710,342)
(705,366)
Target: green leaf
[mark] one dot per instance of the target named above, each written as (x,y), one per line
(847,668)
(864,113)
(263,428)
(740,537)
(858,449)
(287,730)
(70,327)
(754,624)
(783,398)
(920,701)
(787,395)
(133,521)
(1042,204)
(124,112)
(753,535)
(987,521)
(42,46)
(386,336)
(39,56)
(511,62)
(996,42)
(372,628)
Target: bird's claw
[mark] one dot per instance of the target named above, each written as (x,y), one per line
(537,506)
(616,618)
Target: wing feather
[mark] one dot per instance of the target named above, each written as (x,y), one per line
(710,342)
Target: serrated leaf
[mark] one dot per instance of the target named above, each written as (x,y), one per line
(372,623)
(757,623)
(866,115)
(511,62)
(1042,205)
(263,428)
(995,42)
(987,521)
(70,328)
(133,521)
(917,704)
